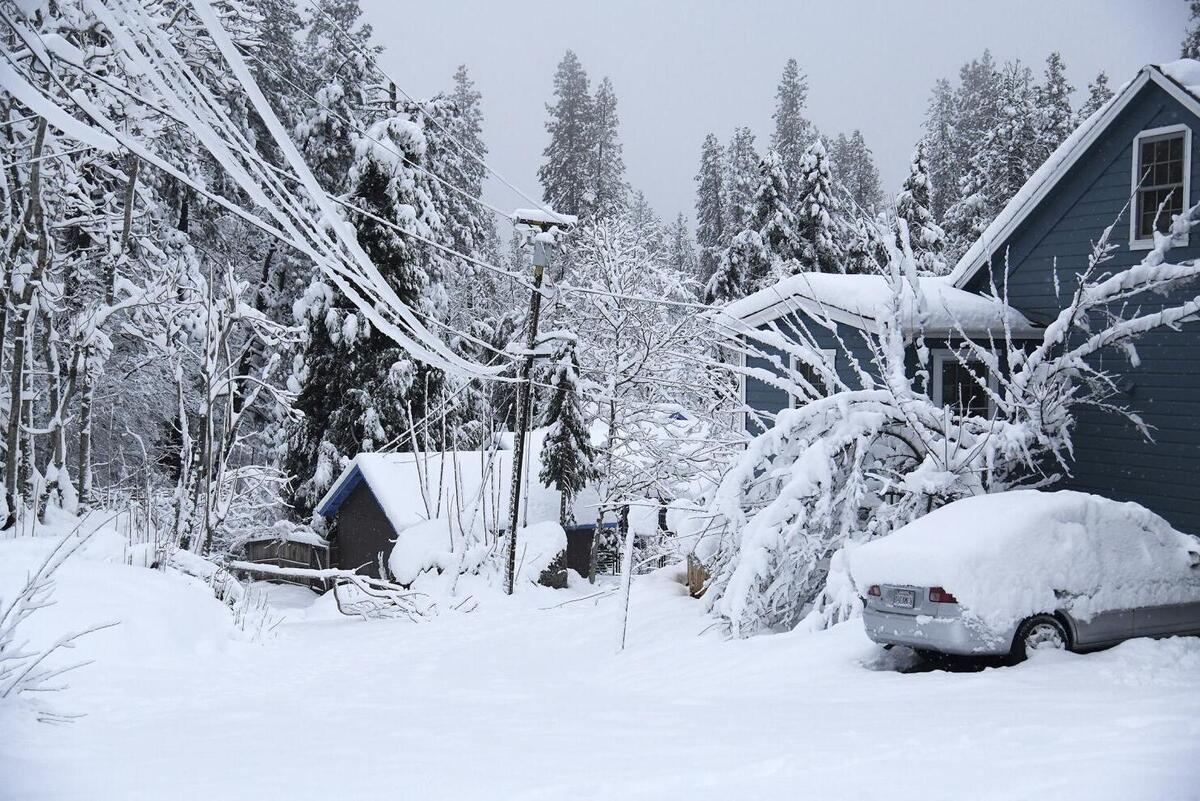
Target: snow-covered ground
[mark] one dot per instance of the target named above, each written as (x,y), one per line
(527,698)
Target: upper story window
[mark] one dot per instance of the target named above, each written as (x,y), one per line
(1161,178)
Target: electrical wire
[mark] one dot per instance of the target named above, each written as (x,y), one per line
(366,53)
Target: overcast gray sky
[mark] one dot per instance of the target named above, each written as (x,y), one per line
(687,67)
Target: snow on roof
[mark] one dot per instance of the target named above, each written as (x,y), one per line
(859,300)
(414,487)
(1179,78)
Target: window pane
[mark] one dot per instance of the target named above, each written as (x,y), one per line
(1175,175)
(961,391)
(1161,173)
(1161,150)
(1147,154)
(1177,148)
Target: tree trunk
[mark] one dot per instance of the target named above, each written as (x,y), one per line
(24,322)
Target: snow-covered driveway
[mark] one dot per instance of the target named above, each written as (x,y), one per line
(517,701)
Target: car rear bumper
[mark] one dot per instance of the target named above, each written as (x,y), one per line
(949,635)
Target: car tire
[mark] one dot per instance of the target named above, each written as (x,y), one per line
(1040,632)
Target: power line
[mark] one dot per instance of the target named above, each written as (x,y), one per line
(363,132)
(314,4)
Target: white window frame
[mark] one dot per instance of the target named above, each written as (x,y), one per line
(828,355)
(1148,243)
(943,355)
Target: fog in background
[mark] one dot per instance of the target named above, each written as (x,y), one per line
(687,67)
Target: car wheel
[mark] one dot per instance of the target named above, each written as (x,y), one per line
(1040,633)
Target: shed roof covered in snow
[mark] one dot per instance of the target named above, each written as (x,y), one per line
(861,301)
(1179,79)
(414,487)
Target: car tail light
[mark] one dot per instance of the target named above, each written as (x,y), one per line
(939,596)
(874,590)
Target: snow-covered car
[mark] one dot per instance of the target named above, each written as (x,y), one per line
(1015,571)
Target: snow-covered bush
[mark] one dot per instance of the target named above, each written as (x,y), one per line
(858,460)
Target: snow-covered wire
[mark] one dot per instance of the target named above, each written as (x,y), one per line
(362,131)
(367,54)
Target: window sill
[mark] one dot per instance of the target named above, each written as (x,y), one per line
(1148,244)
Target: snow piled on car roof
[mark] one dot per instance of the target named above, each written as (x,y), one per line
(1010,555)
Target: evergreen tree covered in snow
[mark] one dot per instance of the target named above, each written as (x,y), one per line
(1055,118)
(854,170)
(710,207)
(1191,39)
(328,129)
(774,222)
(793,131)
(681,253)
(1011,152)
(925,237)
(1099,93)
(609,191)
(358,390)
(817,215)
(567,174)
(568,458)
(742,257)
(742,179)
(940,139)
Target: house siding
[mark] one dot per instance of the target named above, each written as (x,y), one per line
(767,400)
(1112,457)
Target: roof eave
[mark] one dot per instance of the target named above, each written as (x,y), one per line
(984,248)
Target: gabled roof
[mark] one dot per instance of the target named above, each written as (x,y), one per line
(414,487)
(1180,79)
(860,300)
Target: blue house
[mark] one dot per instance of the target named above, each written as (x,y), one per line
(1092,180)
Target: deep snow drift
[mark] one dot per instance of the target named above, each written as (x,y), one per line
(527,698)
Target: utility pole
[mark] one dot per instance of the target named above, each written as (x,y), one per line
(545,224)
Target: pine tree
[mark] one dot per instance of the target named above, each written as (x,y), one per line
(710,207)
(327,130)
(944,167)
(681,254)
(1191,39)
(647,225)
(744,256)
(854,170)
(1055,118)
(1099,93)
(568,458)
(358,389)
(1011,151)
(566,174)
(774,222)
(793,131)
(742,179)
(817,215)
(925,237)
(609,191)
(967,219)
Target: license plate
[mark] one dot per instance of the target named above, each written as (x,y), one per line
(903,599)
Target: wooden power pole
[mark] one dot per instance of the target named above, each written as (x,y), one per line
(542,246)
